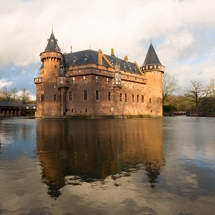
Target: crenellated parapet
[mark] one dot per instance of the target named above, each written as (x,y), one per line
(153,67)
(53,56)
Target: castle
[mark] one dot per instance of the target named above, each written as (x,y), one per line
(92,84)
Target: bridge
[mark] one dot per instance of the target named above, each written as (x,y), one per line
(17,109)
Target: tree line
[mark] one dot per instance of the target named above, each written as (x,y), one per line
(14,95)
(198,97)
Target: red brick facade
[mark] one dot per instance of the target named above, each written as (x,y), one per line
(98,88)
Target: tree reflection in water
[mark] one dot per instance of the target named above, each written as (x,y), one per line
(76,151)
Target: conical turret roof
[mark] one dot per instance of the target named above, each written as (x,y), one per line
(52,44)
(151,57)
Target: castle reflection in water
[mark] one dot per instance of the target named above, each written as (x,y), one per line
(76,151)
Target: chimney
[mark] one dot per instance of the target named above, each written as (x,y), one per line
(70,49)
(100,57)
(126,58)
(112,52)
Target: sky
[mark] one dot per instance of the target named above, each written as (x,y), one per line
(181,31)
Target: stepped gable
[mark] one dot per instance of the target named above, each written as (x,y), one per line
(151,57)
(91,57)
(124,65)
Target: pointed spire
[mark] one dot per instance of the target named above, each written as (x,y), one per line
(52,44)
(151,57)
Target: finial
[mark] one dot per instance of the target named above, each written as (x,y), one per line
(150,41)
(52,28)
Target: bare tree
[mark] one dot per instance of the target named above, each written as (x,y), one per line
(212,88)
(14,92)
(197,93)
(6,95)
(169,86)
(24,96)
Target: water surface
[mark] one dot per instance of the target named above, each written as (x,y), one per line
(127,166)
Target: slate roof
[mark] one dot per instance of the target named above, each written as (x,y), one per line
(62,67)
(91,57)
(151,57)
(10,104)
(52,44)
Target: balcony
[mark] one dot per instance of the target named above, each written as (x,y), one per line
(38,80)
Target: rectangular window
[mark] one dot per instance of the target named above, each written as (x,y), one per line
(109,96)
(42,97)
(107,80)
(84,78)
(97,78)
(70,95)
(97,95)
(73,80)
(132,97)
(120,96)
(85,94)
(55,85)
(142,98)
(55,97)
(150,100)
(85,110)
(125,97)
(137,98)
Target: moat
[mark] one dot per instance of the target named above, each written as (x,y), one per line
(107,166)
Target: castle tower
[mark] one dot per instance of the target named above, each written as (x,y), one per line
(47,92)
(153,71)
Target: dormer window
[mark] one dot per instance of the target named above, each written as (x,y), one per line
(75,59)
(86,58)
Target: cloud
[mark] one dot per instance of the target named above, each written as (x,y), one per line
(19,76)
(5,83)
(182,31)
